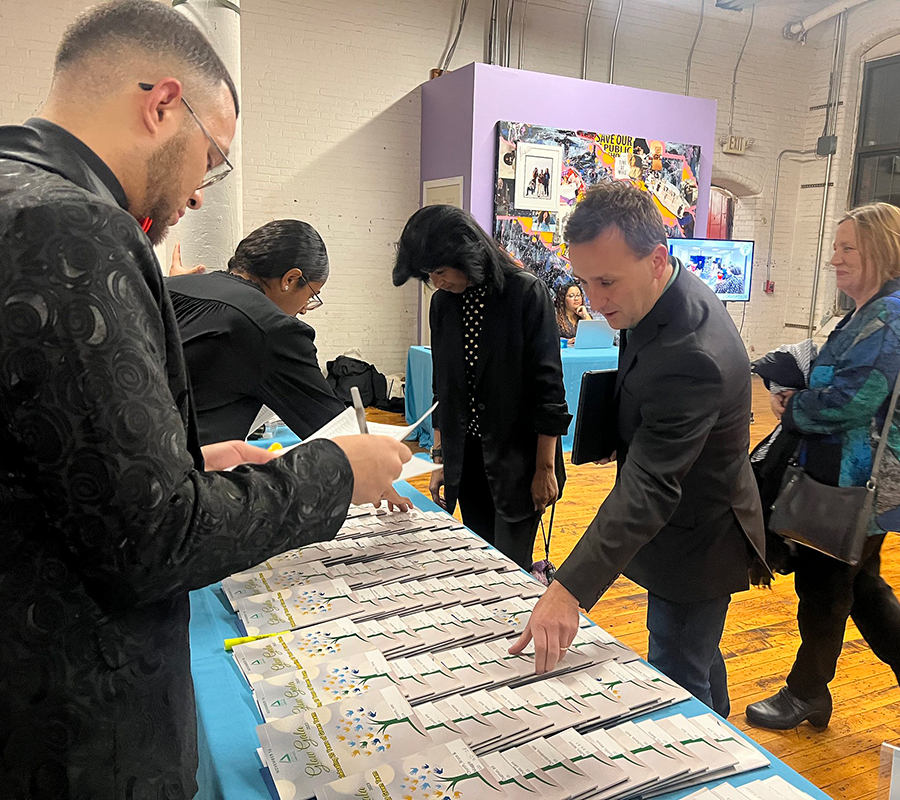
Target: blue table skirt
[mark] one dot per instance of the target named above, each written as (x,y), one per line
(575,363)
(227,716)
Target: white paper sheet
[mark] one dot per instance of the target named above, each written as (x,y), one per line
(344,424)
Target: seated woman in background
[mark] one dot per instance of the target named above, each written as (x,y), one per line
(570,310)
(243,343)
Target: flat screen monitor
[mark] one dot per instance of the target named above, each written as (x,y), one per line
(726,266)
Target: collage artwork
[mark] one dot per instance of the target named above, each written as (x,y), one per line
(542,172)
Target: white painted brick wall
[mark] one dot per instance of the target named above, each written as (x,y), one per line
(331,125)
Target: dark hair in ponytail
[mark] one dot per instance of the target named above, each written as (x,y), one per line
(280,246)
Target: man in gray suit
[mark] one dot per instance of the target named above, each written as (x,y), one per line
(684,518)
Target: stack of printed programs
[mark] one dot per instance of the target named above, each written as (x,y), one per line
(774,788)
(382,671)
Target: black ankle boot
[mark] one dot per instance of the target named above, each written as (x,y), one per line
(785,710)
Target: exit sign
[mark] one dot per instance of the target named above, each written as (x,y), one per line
(735,145)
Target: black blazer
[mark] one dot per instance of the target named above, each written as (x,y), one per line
(519,389)
(684,519)
(242,352)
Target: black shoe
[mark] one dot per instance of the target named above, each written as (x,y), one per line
(785,710)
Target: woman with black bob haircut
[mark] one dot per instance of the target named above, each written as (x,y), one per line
(244,344)
(497,377)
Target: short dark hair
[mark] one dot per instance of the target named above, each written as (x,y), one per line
(280,246)
(146,25)
(619,205)
(446,236)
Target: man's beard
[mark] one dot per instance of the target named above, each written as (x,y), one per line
(164,170)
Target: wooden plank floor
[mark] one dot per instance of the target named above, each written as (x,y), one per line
(759,645)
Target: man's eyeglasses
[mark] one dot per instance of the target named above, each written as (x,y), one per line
(220,170)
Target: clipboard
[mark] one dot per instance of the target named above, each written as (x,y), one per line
(597,418)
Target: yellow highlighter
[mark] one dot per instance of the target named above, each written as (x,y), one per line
(229,643)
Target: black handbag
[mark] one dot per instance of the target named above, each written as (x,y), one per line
(834,520)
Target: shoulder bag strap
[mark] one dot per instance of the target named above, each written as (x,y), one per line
(548,533)
(882,442)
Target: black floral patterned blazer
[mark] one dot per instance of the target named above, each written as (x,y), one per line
(107,518)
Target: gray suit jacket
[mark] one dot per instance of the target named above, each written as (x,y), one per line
(684,519)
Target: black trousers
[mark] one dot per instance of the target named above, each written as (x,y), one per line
(830,591)
(514,539)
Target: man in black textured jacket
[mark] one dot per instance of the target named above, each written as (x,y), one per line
(109,513)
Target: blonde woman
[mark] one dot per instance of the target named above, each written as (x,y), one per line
(850,388)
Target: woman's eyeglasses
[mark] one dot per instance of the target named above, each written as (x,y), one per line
(314,302)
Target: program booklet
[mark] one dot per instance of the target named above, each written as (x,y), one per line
(308,750)
(448,770)
(320,684)
(298,608)
(293,650)
(552,784)
(517,786)
(607,776)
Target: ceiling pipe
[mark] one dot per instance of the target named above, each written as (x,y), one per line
(781,155)
(798,30)
(510,10)
(737,66)
(587,35)
(445,64)
(687,77)
(612,46)
(522,34)
(492,31)
(837,67)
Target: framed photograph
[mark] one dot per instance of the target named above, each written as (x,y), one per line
(444,191)
(538,176)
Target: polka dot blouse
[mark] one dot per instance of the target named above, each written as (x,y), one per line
(473,314)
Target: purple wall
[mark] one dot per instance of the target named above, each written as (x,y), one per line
(446,148)
(478,95)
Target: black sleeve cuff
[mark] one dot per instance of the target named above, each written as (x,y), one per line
(552,420)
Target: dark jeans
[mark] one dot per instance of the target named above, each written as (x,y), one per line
(684,644)
(830,591)
(514,539)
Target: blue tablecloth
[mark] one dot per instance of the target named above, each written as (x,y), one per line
(283,436)
(575,363)
(227,716)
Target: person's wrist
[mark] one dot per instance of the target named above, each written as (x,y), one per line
(561,593)
(437,455)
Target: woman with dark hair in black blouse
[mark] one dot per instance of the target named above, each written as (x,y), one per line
(244,344)
(497,377)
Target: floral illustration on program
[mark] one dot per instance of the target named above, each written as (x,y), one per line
(319,644)
(344,682)
(313,601)
(293,576)
(428,782)
(365,734)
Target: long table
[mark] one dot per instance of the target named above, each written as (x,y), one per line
(575,362)
(227,716)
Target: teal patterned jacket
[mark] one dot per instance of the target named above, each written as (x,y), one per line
(841,414)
